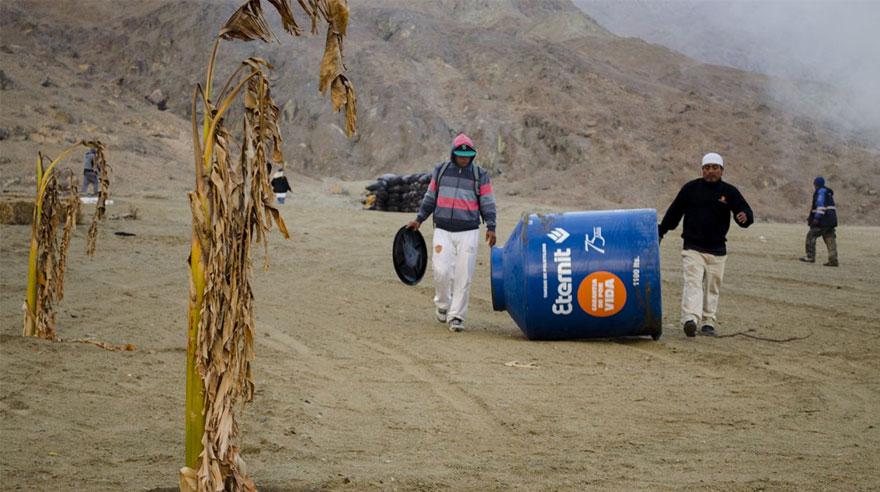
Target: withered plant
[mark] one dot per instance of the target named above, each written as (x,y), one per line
(103,169)
(231,208)
(54,212)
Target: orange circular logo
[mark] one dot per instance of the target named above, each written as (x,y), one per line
(601,294)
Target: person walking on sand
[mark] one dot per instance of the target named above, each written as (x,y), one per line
(90,173)
(706,204)
(823,222)
(459,193)
(280,185)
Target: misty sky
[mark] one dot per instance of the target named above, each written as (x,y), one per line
(832,42)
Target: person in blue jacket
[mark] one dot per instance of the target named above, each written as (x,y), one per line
(822,221)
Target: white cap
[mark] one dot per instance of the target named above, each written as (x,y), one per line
(713,158)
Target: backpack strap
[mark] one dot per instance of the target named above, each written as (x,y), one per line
(443,169)
(477,176)
(478,173)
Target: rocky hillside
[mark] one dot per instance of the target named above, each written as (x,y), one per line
(560,108)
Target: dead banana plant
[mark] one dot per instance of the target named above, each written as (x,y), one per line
(103,169)
(48,255)
(232,208)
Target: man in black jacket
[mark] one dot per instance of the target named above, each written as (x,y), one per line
(280,185)
(823,222)
(706,204)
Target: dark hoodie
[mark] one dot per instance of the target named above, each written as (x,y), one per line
(706,208)
(279,183)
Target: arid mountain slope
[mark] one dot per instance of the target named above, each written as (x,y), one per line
(561,109)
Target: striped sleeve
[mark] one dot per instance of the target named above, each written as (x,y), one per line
(487,201)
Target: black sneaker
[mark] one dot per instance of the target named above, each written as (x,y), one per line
(440,314)
(456,325)
(707,330)
(690,328)
(807,259)
(831,263)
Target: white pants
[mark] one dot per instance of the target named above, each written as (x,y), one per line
(453,261)
(702,285)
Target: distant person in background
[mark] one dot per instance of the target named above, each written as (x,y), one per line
(458,195)
(90,173)
(706,204)
(822,221)
(280,185)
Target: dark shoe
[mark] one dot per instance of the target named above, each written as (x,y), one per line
(690,329)
(707,330)
(456,325)
(807,259)
(831,263)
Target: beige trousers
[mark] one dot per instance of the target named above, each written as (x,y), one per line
(702,285)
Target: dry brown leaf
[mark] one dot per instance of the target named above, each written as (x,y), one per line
(311,8)
(247,24)
(188,480)
(71,206)
(331,63)
(338,93)
(350,109)
(342,94)
(126,347)
(287,20)
(337,15)
(103,170)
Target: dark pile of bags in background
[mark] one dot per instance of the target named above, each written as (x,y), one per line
(393,193)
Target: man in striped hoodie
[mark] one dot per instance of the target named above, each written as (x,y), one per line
(459,194)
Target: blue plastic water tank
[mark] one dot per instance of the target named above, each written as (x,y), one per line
(581,275)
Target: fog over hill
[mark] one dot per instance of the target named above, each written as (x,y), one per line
(831,47)
(560,108)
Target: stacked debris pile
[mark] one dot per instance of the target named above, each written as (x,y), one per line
(393,193)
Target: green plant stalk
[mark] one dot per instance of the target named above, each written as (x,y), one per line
(195,389)
(194,413)
(30,325)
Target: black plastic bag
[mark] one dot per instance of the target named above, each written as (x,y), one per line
(376,186)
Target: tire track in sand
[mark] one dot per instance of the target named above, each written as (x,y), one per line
(469,406)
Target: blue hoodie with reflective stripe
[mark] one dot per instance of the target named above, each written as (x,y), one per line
(823,210)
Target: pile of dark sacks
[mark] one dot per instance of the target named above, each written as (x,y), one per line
(393,193)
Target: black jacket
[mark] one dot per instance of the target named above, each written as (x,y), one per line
(280,185)
(706,208)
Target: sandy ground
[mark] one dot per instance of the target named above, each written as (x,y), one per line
(358,388)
